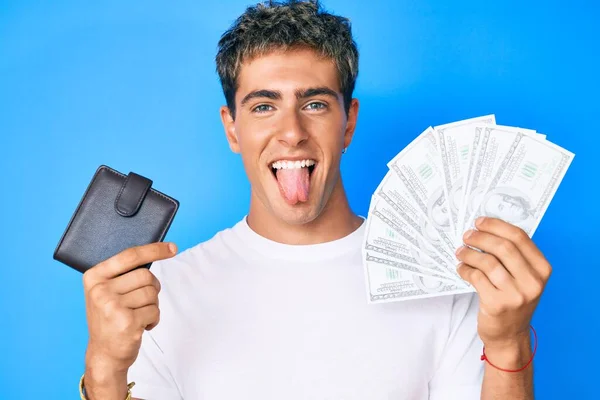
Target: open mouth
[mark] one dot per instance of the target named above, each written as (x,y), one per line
(293,178)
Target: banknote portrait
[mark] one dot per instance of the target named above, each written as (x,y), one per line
(437,210)
(430,234)
(425,260)
(428,285)
(430,240)
(455,195)
(510,205)
(474,200)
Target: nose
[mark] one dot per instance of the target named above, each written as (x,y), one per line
(292,132)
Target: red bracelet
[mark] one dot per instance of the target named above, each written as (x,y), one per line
(484,357)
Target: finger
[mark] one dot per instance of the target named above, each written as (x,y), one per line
(479,280)
(134,280)
(147,317)
(489,265)
(133,257)
(503,249)
(144,296)
(520,238)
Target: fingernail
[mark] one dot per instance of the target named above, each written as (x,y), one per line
(479,220)
(468,234)
(172,248)
(459,250)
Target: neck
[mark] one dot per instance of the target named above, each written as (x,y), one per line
(335,221)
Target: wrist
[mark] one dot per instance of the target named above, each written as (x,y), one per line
(510,354)
(104,379)
(99,360)
(104,387)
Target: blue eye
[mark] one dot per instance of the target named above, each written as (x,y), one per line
(316,106)
(262,108)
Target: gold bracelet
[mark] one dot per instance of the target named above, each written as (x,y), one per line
(82,390)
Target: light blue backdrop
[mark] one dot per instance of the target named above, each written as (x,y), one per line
(132,85)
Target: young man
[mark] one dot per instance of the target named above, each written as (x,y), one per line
(274,308)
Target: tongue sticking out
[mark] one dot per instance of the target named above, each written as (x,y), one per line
(294,184)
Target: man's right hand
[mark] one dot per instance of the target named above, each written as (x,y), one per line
(121,302)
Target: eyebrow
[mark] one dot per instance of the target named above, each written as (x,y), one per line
(310,92)
(300,94)
(269,94)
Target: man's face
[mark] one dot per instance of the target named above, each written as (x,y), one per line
(439,212)
(290,128)
(506,207)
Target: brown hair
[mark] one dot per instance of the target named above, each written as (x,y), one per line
(273,26)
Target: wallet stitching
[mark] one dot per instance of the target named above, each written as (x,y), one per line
(58,250)
(151,189)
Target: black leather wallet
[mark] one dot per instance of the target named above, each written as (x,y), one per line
(116,212)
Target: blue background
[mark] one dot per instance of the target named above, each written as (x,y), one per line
(132,85)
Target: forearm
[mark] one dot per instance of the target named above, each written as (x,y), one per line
(508,385)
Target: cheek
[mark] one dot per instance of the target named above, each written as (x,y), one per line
(253,139)
(328,134)
(253,136)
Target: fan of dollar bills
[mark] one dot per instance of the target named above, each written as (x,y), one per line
(434,190)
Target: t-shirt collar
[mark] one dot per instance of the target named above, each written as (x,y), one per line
(311,252)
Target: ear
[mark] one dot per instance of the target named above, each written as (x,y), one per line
(229,126)
(351,124)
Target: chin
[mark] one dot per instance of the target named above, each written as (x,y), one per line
(296,214)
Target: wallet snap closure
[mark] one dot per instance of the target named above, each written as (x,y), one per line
(132,194)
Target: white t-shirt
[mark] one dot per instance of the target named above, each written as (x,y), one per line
(243,317)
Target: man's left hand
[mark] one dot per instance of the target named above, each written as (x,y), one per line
(509,274)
